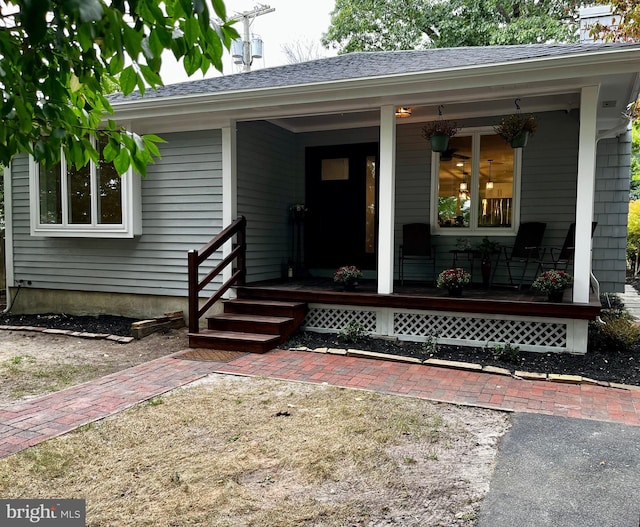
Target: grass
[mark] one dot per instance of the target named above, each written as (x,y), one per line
(28,377)
(259,453)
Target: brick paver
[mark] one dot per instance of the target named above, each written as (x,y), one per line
(486,390)
(28,423)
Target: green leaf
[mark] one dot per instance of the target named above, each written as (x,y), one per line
(128,80)
(152,78)
(132,41)
(192,61)
(191,30)
(122,162)
(220,9)
(109,153)
(86,10)
(116,64)
(155,43)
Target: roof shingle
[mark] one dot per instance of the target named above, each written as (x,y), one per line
(368,64)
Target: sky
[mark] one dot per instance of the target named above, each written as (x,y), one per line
(292,21)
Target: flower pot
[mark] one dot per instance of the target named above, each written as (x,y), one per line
(555,296)
(520,140)
(349,286)
(439,142)
(455,291)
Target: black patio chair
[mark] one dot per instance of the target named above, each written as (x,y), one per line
(416,245)
(527,248)
(561,258)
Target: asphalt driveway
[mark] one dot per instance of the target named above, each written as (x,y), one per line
(562,472)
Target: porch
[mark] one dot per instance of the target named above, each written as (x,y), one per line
(418,311)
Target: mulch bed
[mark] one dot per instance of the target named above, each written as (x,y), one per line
(619,367)
(108,324)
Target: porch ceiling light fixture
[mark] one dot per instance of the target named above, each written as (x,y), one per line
(463,183)
(490,181)
(403,111)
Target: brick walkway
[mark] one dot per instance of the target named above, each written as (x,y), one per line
(28,423)
(486,390)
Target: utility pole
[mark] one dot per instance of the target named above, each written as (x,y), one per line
(244,55)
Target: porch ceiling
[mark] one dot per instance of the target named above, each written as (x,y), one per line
(616,91)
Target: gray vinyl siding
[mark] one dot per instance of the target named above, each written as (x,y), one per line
(613,166)
(181,210)
(270,180)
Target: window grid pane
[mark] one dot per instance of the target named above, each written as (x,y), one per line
(109,190)
(50,186)
(79,198)
(495,182)
(455,192)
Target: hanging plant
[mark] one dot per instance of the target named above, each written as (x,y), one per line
(438,132)
(516,128)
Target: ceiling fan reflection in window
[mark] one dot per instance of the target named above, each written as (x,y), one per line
(450,154)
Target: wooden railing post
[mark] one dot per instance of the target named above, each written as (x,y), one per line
(242,257)
(192,266)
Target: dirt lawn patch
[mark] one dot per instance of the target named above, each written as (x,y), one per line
(33,363)
(239,452)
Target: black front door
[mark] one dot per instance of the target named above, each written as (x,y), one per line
(341,195)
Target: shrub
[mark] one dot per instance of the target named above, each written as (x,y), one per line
(507,353)
(616,331)
(352,332)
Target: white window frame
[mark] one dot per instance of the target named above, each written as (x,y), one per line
(131,207)
(473,229)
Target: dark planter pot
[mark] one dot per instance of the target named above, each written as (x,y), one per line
(349,286)
(439,142)
(555,296)
(455,291)
(520,140)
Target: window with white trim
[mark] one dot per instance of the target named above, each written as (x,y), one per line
(92,201)
(476,188)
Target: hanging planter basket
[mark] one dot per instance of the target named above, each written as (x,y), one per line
(439,142)
(520,139)
(516,128)
(438,132)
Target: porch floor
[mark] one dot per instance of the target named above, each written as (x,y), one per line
(424,296)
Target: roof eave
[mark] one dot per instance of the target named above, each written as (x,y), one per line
(546,69)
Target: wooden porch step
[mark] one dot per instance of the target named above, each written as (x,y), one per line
(233,341)
(250,323)
(275,308)
(254,326)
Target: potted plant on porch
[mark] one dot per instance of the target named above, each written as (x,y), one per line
(348,276)
(553,283)
(453,280)
(516,129)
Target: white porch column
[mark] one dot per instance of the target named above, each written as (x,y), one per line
(585,193)
(229,186)
(387,201)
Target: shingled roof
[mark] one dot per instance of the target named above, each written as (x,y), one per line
(369,64)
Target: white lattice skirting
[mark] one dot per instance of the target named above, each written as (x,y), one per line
(468,329)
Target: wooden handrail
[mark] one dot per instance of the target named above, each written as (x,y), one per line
(195,258)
